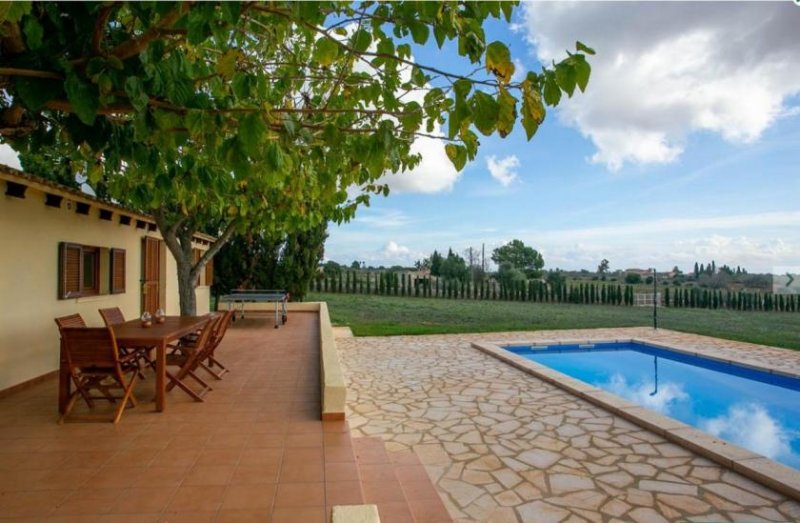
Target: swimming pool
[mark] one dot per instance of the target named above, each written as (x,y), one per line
(753,409)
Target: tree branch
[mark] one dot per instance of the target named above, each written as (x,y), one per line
(217,245)
(29,73)
(99,27)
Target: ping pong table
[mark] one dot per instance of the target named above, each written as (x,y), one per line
(243,296)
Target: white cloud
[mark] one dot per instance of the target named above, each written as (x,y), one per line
(8,156)
(392,249)
(646,394)
(382,218)
(665,70)
(751,426)
(434,173)
(504,170)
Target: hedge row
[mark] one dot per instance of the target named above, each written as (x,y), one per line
(393,284)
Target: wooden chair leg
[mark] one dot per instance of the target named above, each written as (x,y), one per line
(128,396)
(211,371)
(175,381)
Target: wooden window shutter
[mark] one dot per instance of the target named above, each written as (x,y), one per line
(117,271)
(210,272)
(197,254)
(70,270)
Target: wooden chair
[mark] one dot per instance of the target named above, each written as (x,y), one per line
(73,320)
(142,355)
(94,363)
(187,357)
(220,328)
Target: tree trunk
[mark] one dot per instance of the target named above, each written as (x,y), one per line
(178,233)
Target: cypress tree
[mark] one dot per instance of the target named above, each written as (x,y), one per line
(666,297)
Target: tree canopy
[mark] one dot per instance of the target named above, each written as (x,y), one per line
(257,114)
(515,254)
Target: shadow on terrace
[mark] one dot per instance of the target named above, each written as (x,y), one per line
(254,450)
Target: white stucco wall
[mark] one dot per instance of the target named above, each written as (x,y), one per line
(30,234)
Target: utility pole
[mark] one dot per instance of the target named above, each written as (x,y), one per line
(655,300)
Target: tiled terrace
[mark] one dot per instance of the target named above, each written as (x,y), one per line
(504,446)
(255,450)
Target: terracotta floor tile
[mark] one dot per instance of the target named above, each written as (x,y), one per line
(339,455)
(299,515)
(255,474)
(377,472)
(270,456)
(304,439)
(265,440)
(31,503)
(343,493)
(199,498)
(188,516)
(395,512)
(305,454)
(209,475)
(142,500)
(114,477)
(244,516)
(249,497)
(336,426)
(219,457)
(382,491)
(300,495)
(428,511)
(341,472)
(161,477)
(410,473)
(296,471)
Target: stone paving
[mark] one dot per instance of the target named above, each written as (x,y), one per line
(503,446)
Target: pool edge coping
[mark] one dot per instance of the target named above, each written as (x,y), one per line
(756,467)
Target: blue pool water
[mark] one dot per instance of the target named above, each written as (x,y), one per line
(753,409)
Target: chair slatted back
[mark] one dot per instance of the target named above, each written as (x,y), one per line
(205,333)
(112,316)
(90,347)
(222,326)
(73,320)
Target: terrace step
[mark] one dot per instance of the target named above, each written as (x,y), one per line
(398,484)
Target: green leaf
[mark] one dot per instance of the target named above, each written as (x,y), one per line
(361,40)
(33,33)
(226,65)
(566,78)
(412,120)
(418,77)
(134,88)
(498,61)
(507,113)
(457,155)
(231,11)
(582,72)
(83,98)
(252,131)
(419,32)
(552,94)
(530,125)
(241,85)
(325,52)
(485,112)
(115,63)
(581,47)
(462,87)
(13,11)
(36,92)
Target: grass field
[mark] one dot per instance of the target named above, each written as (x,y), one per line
(383,316)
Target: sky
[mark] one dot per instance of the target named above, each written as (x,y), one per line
(685,147)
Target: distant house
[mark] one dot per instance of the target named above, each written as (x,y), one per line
(65,252)
(641,272)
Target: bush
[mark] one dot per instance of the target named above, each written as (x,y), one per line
(633,278)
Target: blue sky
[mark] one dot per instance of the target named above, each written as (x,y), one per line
(685,147)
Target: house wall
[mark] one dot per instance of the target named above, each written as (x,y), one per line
(30,234)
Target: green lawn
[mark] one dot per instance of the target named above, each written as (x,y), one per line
(383,316)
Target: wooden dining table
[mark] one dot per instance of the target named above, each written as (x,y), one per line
(133,334)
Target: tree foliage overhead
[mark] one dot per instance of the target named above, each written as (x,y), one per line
(515,254)
(245,114)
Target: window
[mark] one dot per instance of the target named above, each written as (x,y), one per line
(85,270)
(91,268)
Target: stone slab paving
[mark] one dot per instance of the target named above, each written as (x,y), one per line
(503,446)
